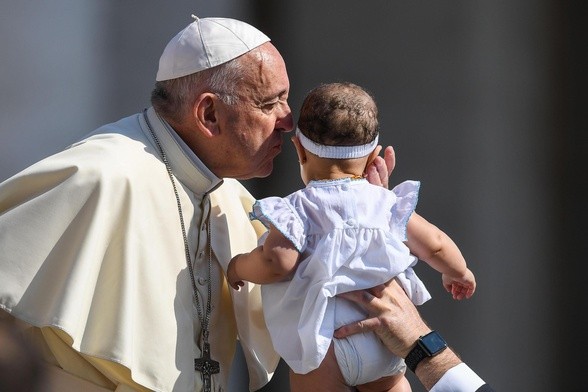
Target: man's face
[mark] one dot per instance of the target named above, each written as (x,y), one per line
(252,128)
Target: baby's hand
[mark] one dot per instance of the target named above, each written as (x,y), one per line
(460,287)
(232,277)
(236,285)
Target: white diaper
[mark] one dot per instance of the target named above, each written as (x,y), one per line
(363,358)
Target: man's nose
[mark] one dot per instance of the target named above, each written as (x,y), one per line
(286,120)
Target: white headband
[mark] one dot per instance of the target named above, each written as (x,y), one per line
(336,152)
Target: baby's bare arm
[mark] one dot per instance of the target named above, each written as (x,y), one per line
(437,249)
(270,262)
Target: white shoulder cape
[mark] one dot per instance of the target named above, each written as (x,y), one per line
(90,246)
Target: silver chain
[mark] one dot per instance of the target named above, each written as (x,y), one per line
(203,314)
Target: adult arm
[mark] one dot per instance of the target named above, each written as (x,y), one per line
(395,319)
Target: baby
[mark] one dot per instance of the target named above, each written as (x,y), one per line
(338,234)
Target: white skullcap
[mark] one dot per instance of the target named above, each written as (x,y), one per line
(206,43)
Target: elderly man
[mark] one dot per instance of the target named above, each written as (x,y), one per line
(113,250)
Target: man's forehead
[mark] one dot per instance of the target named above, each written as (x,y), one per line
(265,75)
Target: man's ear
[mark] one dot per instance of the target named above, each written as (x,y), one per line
(205,112)
(299,149)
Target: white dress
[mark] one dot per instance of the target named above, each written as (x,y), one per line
(351,236)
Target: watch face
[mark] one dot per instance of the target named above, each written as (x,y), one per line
(433,343)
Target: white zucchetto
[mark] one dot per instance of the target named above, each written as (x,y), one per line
(206,43)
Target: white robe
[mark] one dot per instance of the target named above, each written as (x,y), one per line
(91,245)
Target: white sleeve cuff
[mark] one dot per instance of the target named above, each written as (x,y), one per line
(458,379)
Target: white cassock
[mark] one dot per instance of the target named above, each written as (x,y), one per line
(92,257)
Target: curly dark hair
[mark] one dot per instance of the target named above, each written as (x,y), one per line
(339,114)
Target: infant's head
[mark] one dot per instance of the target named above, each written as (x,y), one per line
(339,114)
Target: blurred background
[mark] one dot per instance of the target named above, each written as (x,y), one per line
(483,101)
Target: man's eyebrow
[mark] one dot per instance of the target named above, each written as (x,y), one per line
(281,94)
(278,95)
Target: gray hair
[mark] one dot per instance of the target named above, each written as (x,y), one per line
(174,98)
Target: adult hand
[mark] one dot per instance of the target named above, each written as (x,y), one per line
(393,317)
(380,169)
(396,321)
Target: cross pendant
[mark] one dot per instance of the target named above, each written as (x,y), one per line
(206,366)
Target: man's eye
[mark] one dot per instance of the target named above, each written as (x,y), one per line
(269,106)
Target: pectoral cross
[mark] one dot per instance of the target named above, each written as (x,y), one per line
(206,366)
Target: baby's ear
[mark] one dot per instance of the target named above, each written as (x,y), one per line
(299,149)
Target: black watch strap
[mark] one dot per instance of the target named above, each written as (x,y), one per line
(428,345)
(414,357)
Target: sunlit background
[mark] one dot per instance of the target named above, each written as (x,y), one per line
(484,102)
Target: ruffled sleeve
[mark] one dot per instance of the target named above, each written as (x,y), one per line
(282,215)
(407,196)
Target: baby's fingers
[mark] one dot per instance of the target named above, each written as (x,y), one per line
(460,292)
(237,285)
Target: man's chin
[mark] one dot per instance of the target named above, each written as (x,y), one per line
(265,170)
(259,173)
(262,175)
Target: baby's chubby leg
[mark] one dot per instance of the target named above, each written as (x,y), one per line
(395,383)
(326,378)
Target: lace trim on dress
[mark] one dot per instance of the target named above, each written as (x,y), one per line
(407,194)
(280,214)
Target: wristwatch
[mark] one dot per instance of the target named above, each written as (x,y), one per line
(428,345)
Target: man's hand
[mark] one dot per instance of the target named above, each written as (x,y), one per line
(380,169)
(394,318)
